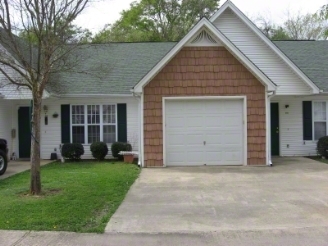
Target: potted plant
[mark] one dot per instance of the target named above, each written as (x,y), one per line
(128,157)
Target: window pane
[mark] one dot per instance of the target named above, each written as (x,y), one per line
(319,111)
(93,134)
(78,134)
(109,114)
(77,114)
(109,134)
(319,130)
(93,114)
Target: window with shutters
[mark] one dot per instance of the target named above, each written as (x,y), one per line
(93,123)
(319,119)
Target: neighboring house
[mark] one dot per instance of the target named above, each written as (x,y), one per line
(223,95)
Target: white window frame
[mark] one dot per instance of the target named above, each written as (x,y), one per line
(313,120)
(71,121)
(86,124)
(108,124)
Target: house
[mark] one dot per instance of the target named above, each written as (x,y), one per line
(224,95)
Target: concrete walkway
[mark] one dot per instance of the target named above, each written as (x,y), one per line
(15,167)
(317,236)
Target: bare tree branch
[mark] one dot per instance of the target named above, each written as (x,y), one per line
(29,63)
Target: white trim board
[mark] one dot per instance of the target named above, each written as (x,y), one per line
(204,24)
(219,98)
(229,5)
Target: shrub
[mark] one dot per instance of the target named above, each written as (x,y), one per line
(99,150)
(117,147)
(72,151)
(322,146)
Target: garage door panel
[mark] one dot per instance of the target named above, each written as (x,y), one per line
(221,158)
(190,123)
(185,139)
(191,158)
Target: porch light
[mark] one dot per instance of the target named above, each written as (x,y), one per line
(45,109)
(286,106)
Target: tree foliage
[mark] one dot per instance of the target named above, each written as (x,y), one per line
(29,63)
(72,34)
(157,20)
(270,29)
(322,13)
(295,27)
(305,27)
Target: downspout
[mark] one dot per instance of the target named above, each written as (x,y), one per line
(140,150)
(268,102)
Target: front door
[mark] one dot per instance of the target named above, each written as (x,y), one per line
(24,132)
(275,129)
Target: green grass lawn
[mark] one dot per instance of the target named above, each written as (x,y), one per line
(79,197)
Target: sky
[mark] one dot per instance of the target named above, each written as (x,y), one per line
(103,12)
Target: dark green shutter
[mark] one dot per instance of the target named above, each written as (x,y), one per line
(121,123)
(65,124)
(307,120)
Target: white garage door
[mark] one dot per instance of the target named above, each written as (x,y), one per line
(204,132)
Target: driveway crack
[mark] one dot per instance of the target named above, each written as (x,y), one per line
(22,238)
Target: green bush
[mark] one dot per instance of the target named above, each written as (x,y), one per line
(117,147)
(322,146)
(99,150)
(72,151)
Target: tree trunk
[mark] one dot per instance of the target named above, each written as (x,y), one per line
(35,187)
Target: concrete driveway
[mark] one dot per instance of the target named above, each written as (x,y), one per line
(18,166)
(291,194)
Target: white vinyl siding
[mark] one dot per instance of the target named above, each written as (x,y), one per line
(291,125)
(260,54)
(5,122)
(51,133)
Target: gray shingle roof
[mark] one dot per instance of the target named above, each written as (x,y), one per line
(115,68)
(311,57)
(23,47)
(108,68)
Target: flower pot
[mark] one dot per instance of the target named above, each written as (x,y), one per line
(128,158)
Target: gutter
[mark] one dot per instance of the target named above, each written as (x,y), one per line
(269,101)
(140,156)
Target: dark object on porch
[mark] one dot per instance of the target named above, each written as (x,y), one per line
(53,156)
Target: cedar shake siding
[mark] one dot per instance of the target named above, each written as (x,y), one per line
(204,71)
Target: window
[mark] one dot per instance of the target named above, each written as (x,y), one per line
(78,124)
(109,123)
(93,123)
(319,119)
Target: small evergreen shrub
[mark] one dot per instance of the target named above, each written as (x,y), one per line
(117,147)
(72,151)
(99,150)
(322,146)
